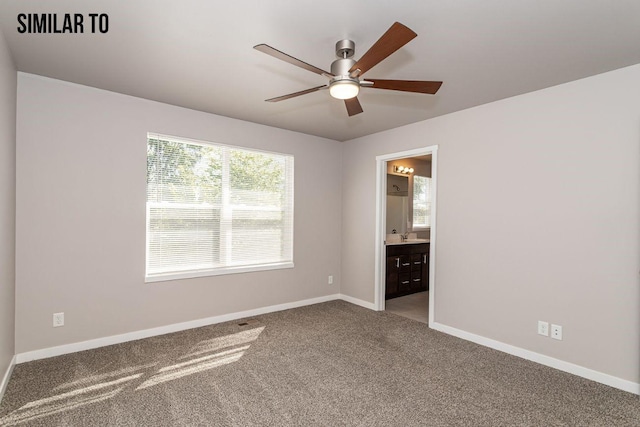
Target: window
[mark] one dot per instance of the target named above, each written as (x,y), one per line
(421,201)
(215,209)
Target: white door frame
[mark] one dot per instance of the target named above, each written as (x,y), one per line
(381,221)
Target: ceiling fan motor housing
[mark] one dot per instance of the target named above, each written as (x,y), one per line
(340,68)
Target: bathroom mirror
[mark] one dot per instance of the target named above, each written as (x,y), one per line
(397,203)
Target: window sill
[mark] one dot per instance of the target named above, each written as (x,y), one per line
(216,272)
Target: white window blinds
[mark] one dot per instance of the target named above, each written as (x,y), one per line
(421,201)
(216,209)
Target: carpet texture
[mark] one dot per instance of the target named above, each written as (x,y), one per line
(330,364)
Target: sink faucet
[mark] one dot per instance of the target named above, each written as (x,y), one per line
(404,237)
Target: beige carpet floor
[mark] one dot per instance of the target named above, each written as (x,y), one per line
(330,364)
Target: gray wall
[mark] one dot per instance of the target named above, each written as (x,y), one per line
(7,205)
(537,219)
(81,191)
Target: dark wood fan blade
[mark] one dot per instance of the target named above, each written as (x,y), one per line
(293,95)
(406,85)
(396,36)
(290,59)
(353,106)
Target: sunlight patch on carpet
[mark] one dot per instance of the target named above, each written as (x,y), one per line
(66,401)
(203,356)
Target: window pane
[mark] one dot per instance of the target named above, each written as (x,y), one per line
(182,238)
(257,236)
(211,207)
(183,173)
(421,201)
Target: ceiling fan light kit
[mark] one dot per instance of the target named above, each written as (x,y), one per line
(345,76)
(344,89)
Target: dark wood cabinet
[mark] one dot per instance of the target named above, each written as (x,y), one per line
(407,269)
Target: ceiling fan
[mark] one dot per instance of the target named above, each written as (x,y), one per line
(346,73)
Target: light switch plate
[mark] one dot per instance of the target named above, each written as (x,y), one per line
(543,328)
(58,319)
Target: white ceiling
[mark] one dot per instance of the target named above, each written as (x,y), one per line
(198,53)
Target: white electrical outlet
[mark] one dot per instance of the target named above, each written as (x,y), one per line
(556,332)
(543,328)
(330,280)
(58,319)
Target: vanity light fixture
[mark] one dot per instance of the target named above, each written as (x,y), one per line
(403,169)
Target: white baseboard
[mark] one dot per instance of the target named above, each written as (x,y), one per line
(561,365)
(356,301)
(146,333)
(5,378)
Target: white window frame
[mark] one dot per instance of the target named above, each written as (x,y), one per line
(230,269)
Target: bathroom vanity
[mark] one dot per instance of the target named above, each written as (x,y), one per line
(407,268)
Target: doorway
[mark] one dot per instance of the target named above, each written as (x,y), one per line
(384,165)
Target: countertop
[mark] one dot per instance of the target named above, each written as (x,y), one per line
(408,242)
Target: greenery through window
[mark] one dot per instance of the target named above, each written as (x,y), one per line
(214,209)
(421,201)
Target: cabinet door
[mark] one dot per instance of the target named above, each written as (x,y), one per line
(416,272)
(393,265)
(405,264)
(404,274)
(404,283)
(425,271)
